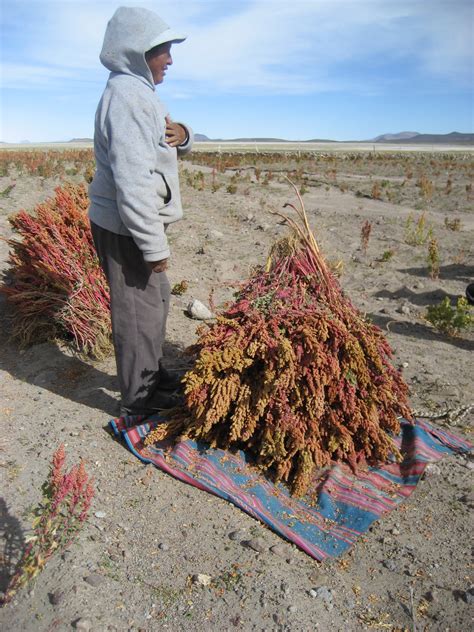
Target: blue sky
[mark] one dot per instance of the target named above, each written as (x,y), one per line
(294,69)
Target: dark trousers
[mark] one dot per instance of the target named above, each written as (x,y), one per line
(139,303)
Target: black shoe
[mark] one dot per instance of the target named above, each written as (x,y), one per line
(160,402)
(170,380)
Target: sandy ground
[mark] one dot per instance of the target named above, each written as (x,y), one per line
(148,534)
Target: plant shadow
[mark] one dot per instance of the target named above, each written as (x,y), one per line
(13,543)
(452,272)
(417,298)
(418,330)
(48,367)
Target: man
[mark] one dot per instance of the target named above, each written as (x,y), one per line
(133,197)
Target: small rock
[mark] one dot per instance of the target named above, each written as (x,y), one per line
(469,596)
(390,565)
(292,609)
(201,579)
(312,593)
(279,549)
(94,580)
(324,593)
(433,469)
(83,624)
(56,597)
(395,531)
(468,499)
(404,309)
(285,588)
(256,544)
(235,535)
(249,217)
(100,514)
(383,310)
(163,546)
(216,234)
(405,365)
(198,310)
(431,596)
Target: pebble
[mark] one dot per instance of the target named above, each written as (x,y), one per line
(431,595)
(285,588)
(395,531)
(390,565)
(94,580)
(100,514)
(256,544)
(469,596)
(404,309)
(279,549)
(433,469)
(198,310)
(56,597)
(216,234)
(202,579)
(83,624)
(322,592)
(468,499)
(292,609)
(235,535)
(405,365)
(163,546)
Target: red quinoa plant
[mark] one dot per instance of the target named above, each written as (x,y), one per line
(292,372)
(55,283)
(67,496)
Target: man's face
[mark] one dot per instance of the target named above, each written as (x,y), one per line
(158,60)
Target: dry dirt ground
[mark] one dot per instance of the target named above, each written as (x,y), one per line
(148,534)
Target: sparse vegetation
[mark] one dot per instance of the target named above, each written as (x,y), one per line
(417,232)
(448,319)
(365,235)
(433,258)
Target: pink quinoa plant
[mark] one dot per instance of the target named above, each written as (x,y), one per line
(62,512)
(55,283)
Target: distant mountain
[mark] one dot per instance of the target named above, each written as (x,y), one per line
(393,137)
(454,138)
(201,138)
(81,140)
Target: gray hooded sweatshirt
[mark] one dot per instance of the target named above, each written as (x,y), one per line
(135,190)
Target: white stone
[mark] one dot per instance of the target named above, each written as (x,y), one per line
(198,310)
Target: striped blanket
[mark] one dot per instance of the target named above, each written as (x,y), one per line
(339,508)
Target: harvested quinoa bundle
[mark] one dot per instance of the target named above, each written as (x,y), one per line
(293,373)
(54,281)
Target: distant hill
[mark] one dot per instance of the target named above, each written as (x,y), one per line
(201,138)
(81,140)
(454,138)
(393,137)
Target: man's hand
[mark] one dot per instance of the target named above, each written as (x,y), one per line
(175,133)
(157,266)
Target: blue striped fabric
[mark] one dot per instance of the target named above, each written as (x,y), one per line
(340,505)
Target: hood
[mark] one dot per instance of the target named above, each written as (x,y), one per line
(130,33)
